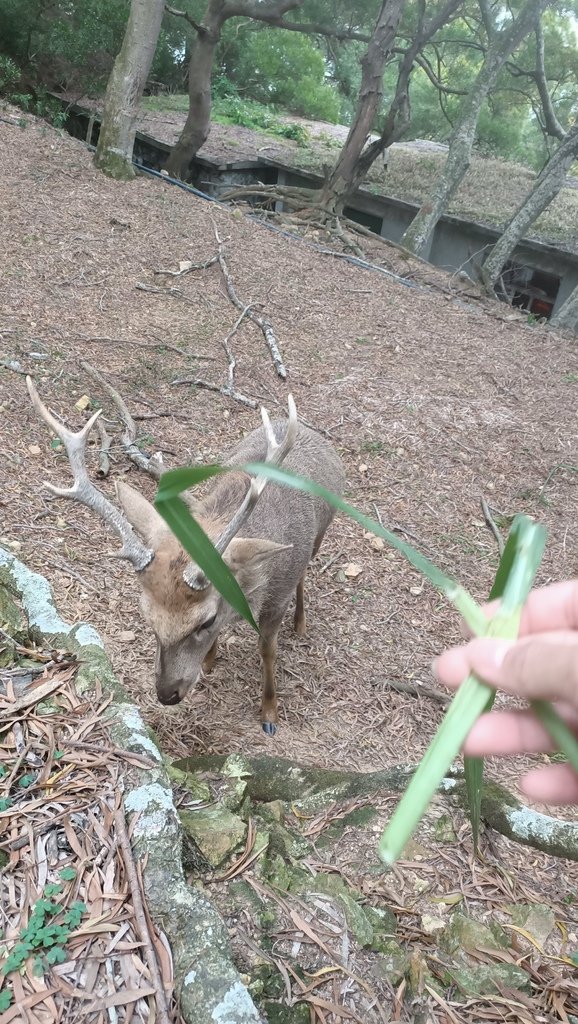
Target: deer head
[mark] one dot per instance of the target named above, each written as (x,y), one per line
(185,612)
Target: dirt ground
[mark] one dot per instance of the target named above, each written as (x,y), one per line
(432,398)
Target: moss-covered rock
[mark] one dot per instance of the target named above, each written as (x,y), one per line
(464,934)
(393,964)
(215,830)
(196,787)
(536,919)
(488,979)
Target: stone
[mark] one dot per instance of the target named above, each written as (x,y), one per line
(488,979)
(215,830)
(196,786)
(464,934)
(393,964)
(431,924)
(356,919)
(444,829)
(535,918)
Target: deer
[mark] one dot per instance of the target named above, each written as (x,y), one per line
(266,533)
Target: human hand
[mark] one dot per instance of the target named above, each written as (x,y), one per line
(541,665)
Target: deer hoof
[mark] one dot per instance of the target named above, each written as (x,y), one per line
(270,728)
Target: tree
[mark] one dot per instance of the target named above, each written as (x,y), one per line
(208,35)
(356,157)
(125,88)
(501,44)
(341,180)
(567,315)
(547,187)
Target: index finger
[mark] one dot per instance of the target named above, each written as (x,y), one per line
(547,609)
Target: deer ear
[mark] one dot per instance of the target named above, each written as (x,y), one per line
(142,516)
(247,558)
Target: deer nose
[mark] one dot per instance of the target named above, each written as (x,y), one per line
(172,697)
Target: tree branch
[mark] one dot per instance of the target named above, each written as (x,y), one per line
(551,123)
(183,14)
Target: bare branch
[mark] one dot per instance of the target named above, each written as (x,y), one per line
(551,123)
(262,322)
(184,14)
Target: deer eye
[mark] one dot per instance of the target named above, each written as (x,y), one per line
(206,624)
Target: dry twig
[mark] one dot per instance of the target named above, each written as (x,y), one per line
(262,322)
(162,1009)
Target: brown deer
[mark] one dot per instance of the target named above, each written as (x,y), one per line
(266,534)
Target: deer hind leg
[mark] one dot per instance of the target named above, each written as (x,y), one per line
(209,659)
(268,652)
(300,619)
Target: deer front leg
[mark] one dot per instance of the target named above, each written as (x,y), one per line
(209,659)
(268,652)
(300,620)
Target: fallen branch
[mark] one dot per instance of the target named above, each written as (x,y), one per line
(418,691)
(262,322)
(491,523)
(152,348)
(225,390)
(274,778)
(165,291)
(103,459)
(162,1010)
(152,464)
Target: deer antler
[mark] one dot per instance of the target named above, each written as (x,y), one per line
(276,453)
(83,490)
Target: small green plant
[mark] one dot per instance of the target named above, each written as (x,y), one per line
(249,114)
(47,932)
(570,378)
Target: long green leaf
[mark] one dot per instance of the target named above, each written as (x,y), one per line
(474,766)
(196,543)
(455,593)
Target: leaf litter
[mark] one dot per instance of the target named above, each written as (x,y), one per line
(67,908)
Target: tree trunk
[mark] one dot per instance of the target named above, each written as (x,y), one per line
(339,183)
(545,190)
(198,123)
(399,115)
(125,87)
(567,315)
(418,236)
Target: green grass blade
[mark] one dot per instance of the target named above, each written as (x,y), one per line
(463,712)
(562,736)
(474,766)
(459,597)
(196,543)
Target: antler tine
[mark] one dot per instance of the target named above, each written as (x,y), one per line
(83,490)
(277,451)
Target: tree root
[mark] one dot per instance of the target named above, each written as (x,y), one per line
(274,778)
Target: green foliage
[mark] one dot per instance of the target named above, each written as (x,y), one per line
(9,75)
(6,998)
(249,114)
(47,932)
(286,69)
